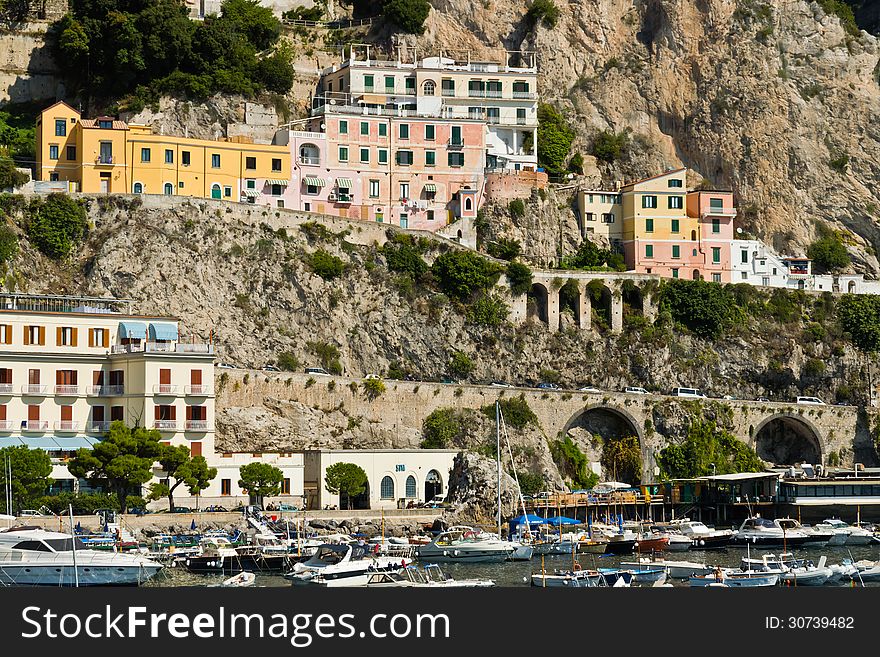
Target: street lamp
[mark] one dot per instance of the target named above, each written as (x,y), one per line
(713,469)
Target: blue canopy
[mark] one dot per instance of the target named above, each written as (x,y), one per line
(47,444)
(562,520)
(531,519)
(163,332)
(73,443)
(136,330)
(9,442)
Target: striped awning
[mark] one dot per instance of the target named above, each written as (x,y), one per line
(283,183)
(430,187)
(344,183)
(250,193)
(314,181)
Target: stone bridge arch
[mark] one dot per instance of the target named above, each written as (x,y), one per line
(611,422)
(538,303)
(787,438)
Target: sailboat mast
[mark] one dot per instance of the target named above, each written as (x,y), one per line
(73,547)
(498,457)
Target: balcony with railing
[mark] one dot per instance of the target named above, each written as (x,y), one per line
(104,160)
(98,426)
(66,390)
(196,425)
(105,391)
(525,95)
(7,425)
(33,389)
(164,389)
(67,426)
(165,425)
(34,425)
(197,390)
(720,212)
(313,161)
(6,389)
(455,143)
(163,347)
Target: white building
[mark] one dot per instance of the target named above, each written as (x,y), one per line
(395,477)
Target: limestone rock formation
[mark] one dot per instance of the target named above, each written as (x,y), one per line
(473,490)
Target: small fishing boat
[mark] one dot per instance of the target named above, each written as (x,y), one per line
(808,574)
(735,578)
(678,542)
(623,543)
(574,579)
(430,577)
(868,571)
(648,543)
(642,573)
(674,569)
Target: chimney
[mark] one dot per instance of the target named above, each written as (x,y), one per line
(617,185)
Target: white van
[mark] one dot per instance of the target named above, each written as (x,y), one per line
(688,392)
(809,400)
(635,391)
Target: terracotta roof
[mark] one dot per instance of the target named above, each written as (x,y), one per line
(93,123)
(659,175)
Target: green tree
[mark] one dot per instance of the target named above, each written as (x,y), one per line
(345,479)
(461,274)
(440,429)
(328,355)
(288,361)
(31,470)
(181,468)
(622,459)
(403,256)
(408,15)
(608,146)
(460,365)
(517,208)
(260,480)
(373,388)
(554,139)
(516,412)
(573,463)
(10,177)
(276,71)
(707,444)
(488,310)
(121,463)
(543,11)
(705,308)
(520,278)
(829,253)
(56,224)
(859,316)
(530,482)
(8,244)
(504,249)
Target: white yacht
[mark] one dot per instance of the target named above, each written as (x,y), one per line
(819,536)
(342,565)
(32,556)
(763,532)
(854,535)
(463,544)
(703,537)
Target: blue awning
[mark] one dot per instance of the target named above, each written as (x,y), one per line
(531,519)
(47,444)
(73,443)
(136,330)
(9,442)
(562,520)
(163,332)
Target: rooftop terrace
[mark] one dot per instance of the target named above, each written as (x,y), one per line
(64,304)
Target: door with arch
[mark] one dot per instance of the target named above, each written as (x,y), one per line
(216,192)
(138,188)
(433,485)
(169,189)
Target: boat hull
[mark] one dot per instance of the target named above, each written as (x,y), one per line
(25,574)
(457,555)
(745,581)
(570,580)
(620,547)
(771,541)
(816,577)
(652,544)
(237,564)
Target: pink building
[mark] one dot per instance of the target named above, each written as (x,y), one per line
(715,212)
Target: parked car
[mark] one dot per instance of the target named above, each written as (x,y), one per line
(372,377)
(549,386)
(226,366)
(181,509)
(809,400)
(729,397)
(761,399)
(215,508)
(271,368)
(317,370)
(31,513)
(636,391)
(589,389)
(446,379)
(138,510)
(501,384)
(688,392)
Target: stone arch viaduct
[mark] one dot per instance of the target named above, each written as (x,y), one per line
(782,433)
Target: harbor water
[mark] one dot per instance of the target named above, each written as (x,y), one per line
(517,573)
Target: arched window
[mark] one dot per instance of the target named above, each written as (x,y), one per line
(468,204)
(386,489)
(309,154)
(138,188)
(169,189)
(693,236)
(696,274)
(433,485)
(428,88)
(851,287)
(216,192)
(410,486)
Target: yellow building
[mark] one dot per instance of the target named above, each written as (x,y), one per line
(111,156)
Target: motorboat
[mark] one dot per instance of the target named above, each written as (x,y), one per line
(678,542)
(772,563)
(845,570)
(640,574)
(615,577)
(703,537)
(429,577)
(32,556)
(764,532)
(621,543)
(648,543)
(819,535)
(674,569)
(573,579)
(867,571)
(462,544)
(735,577)
(808,574)
(342,565)
(218,555)
(241,580)
(855,535)
(839,534)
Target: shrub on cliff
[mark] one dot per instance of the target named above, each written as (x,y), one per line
(705,308)
(859,316)
(608,146)
(544,11)
(516,412)
(622,459)
(404,257)
(462,274)
(573,463)
(56,224)
(439,429)
(488,310)
(326,265)
(460,365)
(829,253)
(705,445)
(554,139)
(10,177)
(8,244)
(504,249)
(408,15)
(520,278)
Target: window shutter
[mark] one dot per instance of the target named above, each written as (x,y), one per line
(98,377)
(7,334)
(27,335)
(66,413)
(91,337)
(165,377)
(59,377)
(158,412)
(189,413)
(73,333)
(97,413)
(195,449)
(3,412)
(172,412)
(42,335)
(57,336)
(33,412)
